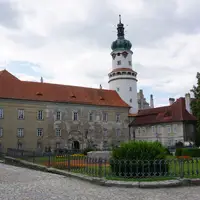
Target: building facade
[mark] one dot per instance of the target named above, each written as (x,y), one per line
(167,124)
(39,115)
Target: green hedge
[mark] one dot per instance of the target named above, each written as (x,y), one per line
(178,152)
(192,152)
(137,158)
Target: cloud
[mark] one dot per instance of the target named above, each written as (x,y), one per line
(69,42)
(10,17)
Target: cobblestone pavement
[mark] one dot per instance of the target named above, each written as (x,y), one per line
(24,184)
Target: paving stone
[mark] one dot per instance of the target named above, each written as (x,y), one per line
(24,184)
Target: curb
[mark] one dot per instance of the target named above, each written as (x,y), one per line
(103,181)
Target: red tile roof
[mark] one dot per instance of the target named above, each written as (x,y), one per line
(13,88)
(172,113)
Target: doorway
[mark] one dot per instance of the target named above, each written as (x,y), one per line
(76,145)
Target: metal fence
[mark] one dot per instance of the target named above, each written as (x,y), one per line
(170,168)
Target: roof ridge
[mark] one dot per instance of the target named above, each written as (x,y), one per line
(52,92)
(74,86)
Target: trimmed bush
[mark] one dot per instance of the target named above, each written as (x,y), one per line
(178,152)
(192,152)
(139,158)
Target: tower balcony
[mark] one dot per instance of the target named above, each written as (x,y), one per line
(122,73)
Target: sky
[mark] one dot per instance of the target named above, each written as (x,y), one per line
(69,42)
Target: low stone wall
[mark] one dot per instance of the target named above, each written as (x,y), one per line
(99,154)
(103,181)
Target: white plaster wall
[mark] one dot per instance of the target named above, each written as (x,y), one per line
(124,93)
(163,135)
(124,61)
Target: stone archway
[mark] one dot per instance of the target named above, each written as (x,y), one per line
(75,145)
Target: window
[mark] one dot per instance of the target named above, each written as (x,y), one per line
(169,129)
(39,132)
(39,145)
(1,132)
(105,117)
(57,145)
(130,88)
(144,130)
(130,63)
(117,117)
(40,115)
(117,89)
(130,100)
(153,129)
(20,132)
(1,113)
(75,116)
(20,114)
(139,130)
(119,62)
(58,115)
(58,132)
(105,132)
(118,132)
(90,116)
(175,128)
(19,145)
(159,129)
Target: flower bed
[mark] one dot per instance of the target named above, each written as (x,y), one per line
(184,157)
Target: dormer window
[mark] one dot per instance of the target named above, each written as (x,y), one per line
(119,62)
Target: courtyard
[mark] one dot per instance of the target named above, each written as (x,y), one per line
(23,184)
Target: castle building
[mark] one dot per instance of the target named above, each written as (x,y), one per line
(168,124)
(40,115)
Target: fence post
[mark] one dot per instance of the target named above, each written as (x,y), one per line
(49,160)
(100,167)
(33,156)
(68,162)
(181,167)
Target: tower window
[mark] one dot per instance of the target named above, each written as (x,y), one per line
(130,63)
(117,89)
(130,100)
(119,62)
(130,88)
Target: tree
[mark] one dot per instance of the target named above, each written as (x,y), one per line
(195,105)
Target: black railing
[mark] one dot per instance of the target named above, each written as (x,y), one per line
(171,167)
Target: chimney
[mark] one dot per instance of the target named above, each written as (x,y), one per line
(171,101)
(41,80)
(187,102)
(151,101)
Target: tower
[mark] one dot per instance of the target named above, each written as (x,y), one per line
(122,78)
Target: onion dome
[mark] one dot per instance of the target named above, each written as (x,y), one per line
(121,43)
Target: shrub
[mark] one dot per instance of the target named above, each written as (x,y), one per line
(139,158)
(192,152)
(178,152)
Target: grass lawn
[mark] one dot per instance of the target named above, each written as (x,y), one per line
(186,169)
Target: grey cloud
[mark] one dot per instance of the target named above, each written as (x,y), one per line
(9,16)
(144,30)
(29,39)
